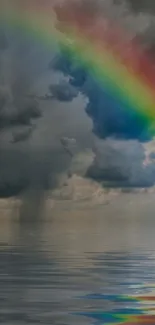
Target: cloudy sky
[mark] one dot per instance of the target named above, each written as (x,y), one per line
(30,129)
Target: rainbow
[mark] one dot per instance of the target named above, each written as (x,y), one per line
(119,66)
(143,311)
(112,59)
(117,63)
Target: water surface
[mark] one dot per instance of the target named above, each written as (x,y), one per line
(73,270)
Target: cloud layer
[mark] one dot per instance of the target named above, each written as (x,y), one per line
(116,163)
(122,164)
(110,118)
(30,157)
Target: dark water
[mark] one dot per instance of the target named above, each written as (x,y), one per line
(75,270)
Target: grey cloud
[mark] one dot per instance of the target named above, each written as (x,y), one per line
(17,112)
(121,164)
(152,155)
(22,134)
(3,41)
(21,170)
(63,91)
(116,163)
(40,162)
(22,63)
(142,5)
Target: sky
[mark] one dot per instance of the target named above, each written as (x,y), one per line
(37,158)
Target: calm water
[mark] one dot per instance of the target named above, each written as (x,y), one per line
(75,270)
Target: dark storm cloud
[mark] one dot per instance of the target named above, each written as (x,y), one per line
(21,64)
(13,179)
(30,157)
(38,169)
(3,40)
(142,5)
(16,78)
(121,164)
(22,135)
(19,111)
